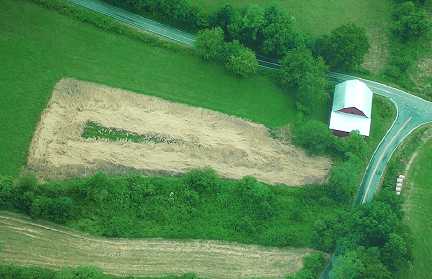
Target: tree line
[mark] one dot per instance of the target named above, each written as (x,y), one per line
(18,272)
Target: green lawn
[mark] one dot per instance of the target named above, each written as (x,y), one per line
(418,208)
(38,47)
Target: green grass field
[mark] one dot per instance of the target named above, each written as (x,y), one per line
(418,208)
(38,47)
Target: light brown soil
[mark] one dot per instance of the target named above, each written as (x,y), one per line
(25,242)
(232,146)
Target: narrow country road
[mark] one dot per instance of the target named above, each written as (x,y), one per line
(412,111)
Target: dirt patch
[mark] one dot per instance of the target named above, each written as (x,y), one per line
(25,242)
(230,145)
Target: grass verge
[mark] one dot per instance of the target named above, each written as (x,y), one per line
(93,130)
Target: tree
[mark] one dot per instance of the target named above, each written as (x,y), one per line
(306,74)
(347,266)
(278,34)
(256,198)
(294,65)
(410,21)
(240,60)
(342,183)
(203,181)
(355,144)
(210,43)
(251,26)
(344,48)
(229,19)
(395,252)
(373,223)
(312,92)
(313,135)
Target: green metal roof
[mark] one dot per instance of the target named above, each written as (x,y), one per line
(353,93)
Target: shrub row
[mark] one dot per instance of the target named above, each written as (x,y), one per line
(17,272)
(198,205)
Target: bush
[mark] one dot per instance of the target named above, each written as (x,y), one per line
(240,60)
(203,181)
(279,34)
(308,75)
(411,22)
(313,265)
(314,136)
(344,48)
(210,43)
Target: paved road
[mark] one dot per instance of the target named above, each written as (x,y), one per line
(412,111)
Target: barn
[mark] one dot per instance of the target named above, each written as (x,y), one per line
(352,108)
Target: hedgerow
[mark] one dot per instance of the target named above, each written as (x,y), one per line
(197,205)
(19,272)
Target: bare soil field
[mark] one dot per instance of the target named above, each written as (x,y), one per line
(26,242)
(232,146)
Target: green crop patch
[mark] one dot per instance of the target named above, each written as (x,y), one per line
(93,130)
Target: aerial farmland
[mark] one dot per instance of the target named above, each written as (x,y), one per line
(202,139)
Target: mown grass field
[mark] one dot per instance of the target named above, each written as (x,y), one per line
(38,47)
(418,209)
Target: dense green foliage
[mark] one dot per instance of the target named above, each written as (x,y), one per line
(410,41)
(372,240)
(317,17)
(210,43)
(93,130)
(198,205)
(16,272)
(308,76)
(312,268)
(39,47)
(411,22)
(345,48)
(240,60)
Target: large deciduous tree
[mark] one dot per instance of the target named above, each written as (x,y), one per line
(308,75)
(345,48)
(210,43)
(411,22)
(279,34)
(240,60)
